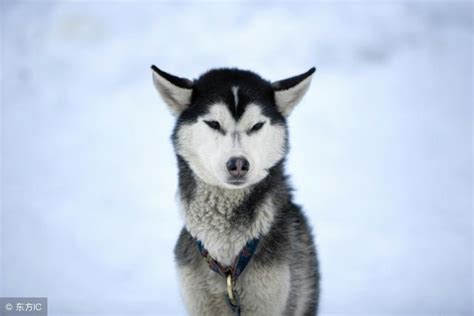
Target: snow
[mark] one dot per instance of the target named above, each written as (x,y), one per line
(381,154)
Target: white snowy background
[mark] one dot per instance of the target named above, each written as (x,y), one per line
(381,154)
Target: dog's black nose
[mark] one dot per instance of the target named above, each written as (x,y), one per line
(238,166)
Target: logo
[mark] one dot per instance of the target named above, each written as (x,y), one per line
(9,307)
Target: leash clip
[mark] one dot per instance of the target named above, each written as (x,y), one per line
(232,297)
(230,289)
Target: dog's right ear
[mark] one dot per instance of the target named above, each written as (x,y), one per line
(175,91)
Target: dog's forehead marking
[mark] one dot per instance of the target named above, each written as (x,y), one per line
(235,92)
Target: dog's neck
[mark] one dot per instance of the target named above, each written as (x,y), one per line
(224,219)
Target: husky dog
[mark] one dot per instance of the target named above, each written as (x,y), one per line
(246,248)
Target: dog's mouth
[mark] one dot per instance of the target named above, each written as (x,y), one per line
(236,181)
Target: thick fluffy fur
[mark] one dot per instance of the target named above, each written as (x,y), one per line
(282,278)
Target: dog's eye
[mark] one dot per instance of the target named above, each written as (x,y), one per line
(257,127)
(213,124)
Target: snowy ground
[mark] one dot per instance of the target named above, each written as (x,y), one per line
(381,147)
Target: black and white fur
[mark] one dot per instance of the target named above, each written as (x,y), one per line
(228,113)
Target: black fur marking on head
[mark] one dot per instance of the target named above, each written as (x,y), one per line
(216,86)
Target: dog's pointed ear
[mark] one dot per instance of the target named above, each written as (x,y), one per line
(288,92)
(175,91)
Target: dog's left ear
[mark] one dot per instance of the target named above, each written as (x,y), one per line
(175,91)
(288,92)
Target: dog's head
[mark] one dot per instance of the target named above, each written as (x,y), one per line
(231,124)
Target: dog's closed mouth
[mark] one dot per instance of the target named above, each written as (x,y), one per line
(236,181)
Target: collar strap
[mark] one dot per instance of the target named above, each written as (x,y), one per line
(231,273)
(239,264)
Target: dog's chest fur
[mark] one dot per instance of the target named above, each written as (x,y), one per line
(219,219)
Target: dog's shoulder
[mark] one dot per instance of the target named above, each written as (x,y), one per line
(185,251)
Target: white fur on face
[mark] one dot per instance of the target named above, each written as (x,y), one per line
(207,151)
